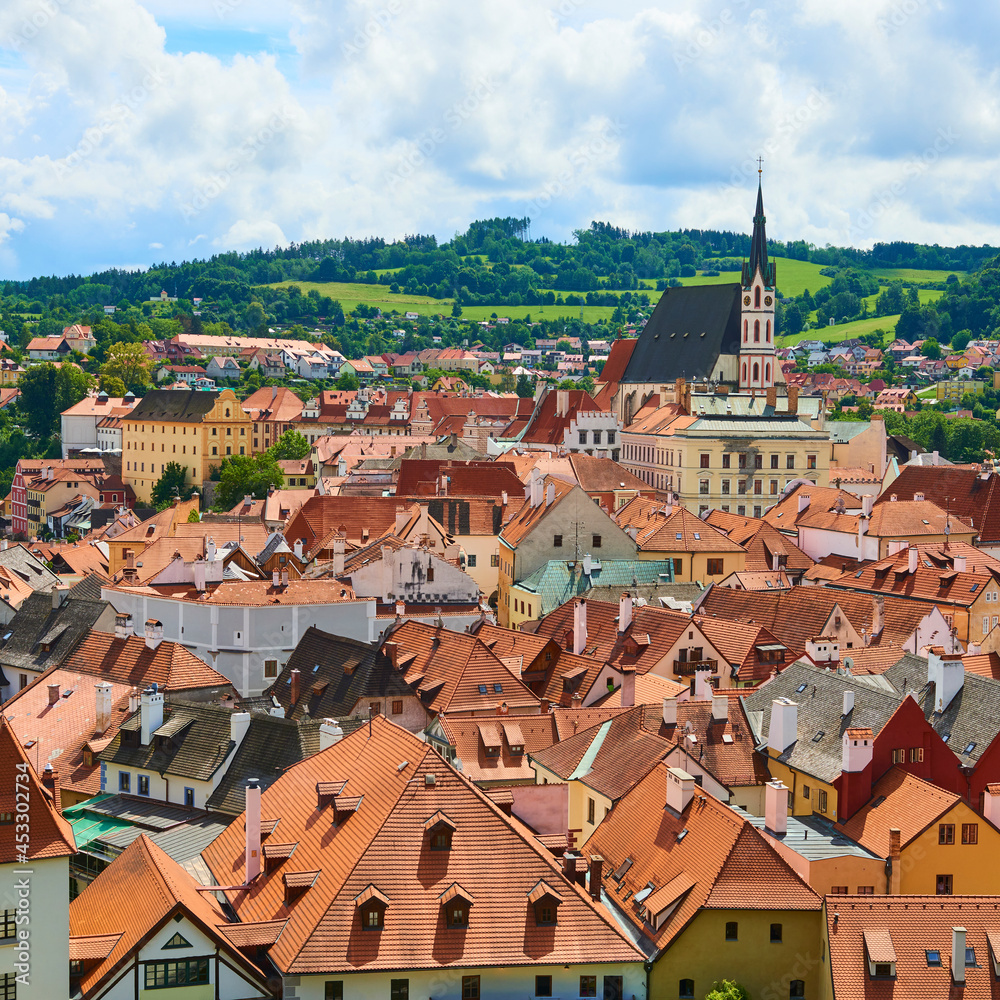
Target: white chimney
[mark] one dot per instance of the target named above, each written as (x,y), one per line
(703,690)
(537,488)
(329,733)
(624,612)
(804,501)
(239,726)
(720,708)
(848,702)
(680,788)
(253,829)
(991,804)
(275,578)
(299,548)
(918,497)
(579,626)
(210,550)
(823,649)
(102,714)
(151,713)
(776,807)
(198,567)
(670,714)
(783,731)
(867,503)
(550,494)
(913,556)
(628,687)
(858,750)
(284,578)
(958,954)
(123,626)
(947,674)
(588,564)
(154,633)
(961,564)
(59,597)
(339,554)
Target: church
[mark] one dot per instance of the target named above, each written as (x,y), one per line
(708,333)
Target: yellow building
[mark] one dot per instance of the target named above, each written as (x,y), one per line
(51,490)
(195,429)
(299,474)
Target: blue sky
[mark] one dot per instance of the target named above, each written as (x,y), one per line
(134,132)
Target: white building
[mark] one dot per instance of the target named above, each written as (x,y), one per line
(81,422)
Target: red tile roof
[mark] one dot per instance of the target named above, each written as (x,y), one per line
(422,478)
(546,426)
(660,528)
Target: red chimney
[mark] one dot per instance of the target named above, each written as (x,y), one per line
(596,874)
(296,681)
(50,779)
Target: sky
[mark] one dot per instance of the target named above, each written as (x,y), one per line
(134,132)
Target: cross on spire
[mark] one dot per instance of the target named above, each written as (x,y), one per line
(760,165)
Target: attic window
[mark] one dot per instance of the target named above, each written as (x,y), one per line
(858,575)
(372,905)
(946,737)
(678,536)
(973,588)
(933,958)
(440,829)
(800,689)
(482,689)
(178,941)
(969,748)
(727,738)
(622,870)
(456,902)
(697,535)
(819,736)
(498,689)
(545,900)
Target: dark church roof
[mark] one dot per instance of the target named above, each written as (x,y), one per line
(690,327)
(758,249)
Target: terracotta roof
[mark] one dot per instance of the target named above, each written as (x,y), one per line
(913,518)
(252,593)
(322,516)
(518,527)
(603,475)
(674,529)
(422,478)
(901,801)
(134,896)
(650,689)
(913,927)
(762,541)
(50,836)
(390,770)
(721,862)
(785,514)
(529,732)
(546,426)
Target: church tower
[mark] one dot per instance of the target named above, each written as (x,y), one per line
(757,360)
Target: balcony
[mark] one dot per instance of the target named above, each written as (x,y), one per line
(688,667)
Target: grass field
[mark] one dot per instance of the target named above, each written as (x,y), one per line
(913,274)
(845,331)
(794,277)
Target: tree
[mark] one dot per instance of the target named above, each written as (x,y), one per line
(129,363)
(456,309)
(728,989)
(113,386)
(71,385)
(174,477)
(524,389)
(348,382)
(246,475)
(291,445)
(931,349)
(37,391)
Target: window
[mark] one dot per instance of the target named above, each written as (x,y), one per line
(614,987)
(9,917)
(797,988)
(821,801)
(270,668)
(333,989)
(430,574)
(703,487)
(774,487)
(758,461)
(946,833)
(774,461)
(590,811)
(866,890)
(970,833)
(596,541)
(185,972)
(543,986)
(725,487)
(494,561)
(588,986)
(732,930)
(375,708)
(810,461)
(470,987)
(838,890)
(399,989)
(611,437)
(933,958)
(805,791)
(715,567)
(397,708)
(725,460)
(470,560)
(758,487)
(944,885)
(898,756)
(685,988)
(441,841)
(457,914)
(970,956)
(371,918)
(917,755)
(144,784)
(178,940)
(189,797)
(776,933)
(124,781)
(557,541)
(704,461)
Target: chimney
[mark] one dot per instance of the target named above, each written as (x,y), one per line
(961,564)
(878,615)
(991,804)
(299,548)
(199,574)
(123,626)
(339,557)
(855,787)
(919,497)
(958,954)
(154,633)
(550,494)
(628,687)
(50,779)
(670,711)
(150,713)
(295,683)
(239,726)
(624,612)
(867,504)
(771,397)
(823,649)
(275,578)
(579,626)
(974,649)
(284,578)
(253,829)
(210,550)
(720,708)
(391,650)
(793,399)
(543,706)
(596,874)
(53,693)
(562,402)
(680,788)
(896,874)
(569,866)
(848,702)
(703,690)
(329,733)
(783,731)
(804,500)
(59,597)
(913,556)
(776,807)
(504,498)
(947,673)
(400,609)
(102,705)
(536,487)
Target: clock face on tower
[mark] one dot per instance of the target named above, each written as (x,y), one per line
(767,300)
(746,300)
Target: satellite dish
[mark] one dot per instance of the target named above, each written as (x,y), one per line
(848,662)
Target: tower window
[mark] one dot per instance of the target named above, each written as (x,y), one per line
(756,297)
(756,331)
(756,372)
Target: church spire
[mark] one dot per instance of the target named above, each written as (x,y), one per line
(758,246)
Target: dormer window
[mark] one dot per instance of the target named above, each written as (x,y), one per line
(545,901)
(456,902)
(372,904)
(440,830)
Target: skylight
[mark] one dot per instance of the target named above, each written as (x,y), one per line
(857,576)
(697,535)
(678,536)
(482,689)
(933,958)
(972,589)
(682,835)
(969,748)
(819,736)
(946,737)
(800,689)
(498,689)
